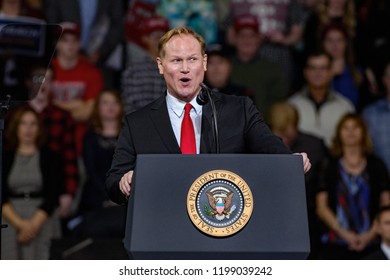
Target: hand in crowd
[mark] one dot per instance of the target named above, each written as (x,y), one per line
(350,237)
(277,37)
(363,240)
(28,230)
(356,242)
(65,205)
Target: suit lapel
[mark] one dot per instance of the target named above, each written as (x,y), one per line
(206,139)
(160,119)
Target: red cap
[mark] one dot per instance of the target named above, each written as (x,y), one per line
(246,21)
(70,27)
(154,23)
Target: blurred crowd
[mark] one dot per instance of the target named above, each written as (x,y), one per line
(318,71)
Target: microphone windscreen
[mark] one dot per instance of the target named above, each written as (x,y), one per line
(202,97)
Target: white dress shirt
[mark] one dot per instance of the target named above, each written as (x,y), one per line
(176,113)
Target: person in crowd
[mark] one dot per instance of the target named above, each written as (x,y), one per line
(22,8)
(353,185)
(76,81)
(249,69)
(182,61)
(101,32)
(374,44)
(219,69)
(309,7)
(284,120)
(18,9)
(141,80)
(60,128)
(347,77)
(32,182)
(35,8)
(281,23)
(136,12)
(383,229)
(11,8)
(97,215)
(329,11)
(320,108)
(101,138)
(377,117)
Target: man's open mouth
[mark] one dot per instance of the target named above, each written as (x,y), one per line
(185,80)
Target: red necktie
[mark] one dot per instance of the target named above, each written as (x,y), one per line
(187,139)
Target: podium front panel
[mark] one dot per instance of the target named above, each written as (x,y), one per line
(159,227)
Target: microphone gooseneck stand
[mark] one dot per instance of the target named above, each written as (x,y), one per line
(203,97)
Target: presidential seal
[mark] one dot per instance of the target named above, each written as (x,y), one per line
(219,203)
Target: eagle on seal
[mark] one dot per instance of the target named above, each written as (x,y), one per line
(220,202)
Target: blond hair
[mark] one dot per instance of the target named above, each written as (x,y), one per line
(348,18)
(282,114)
(179,31)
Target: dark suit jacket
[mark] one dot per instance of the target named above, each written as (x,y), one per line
(241,128)
(69,10)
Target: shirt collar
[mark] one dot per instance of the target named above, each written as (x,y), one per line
(386,250)
(177,105)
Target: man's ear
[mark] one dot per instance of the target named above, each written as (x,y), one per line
(205,62)
(159,65)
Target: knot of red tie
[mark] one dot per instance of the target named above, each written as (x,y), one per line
(187,138)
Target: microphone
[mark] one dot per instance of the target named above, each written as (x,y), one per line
(203,98)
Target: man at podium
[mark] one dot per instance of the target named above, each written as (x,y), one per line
(189,118)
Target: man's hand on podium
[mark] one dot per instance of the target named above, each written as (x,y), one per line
(306,161)
(125,183)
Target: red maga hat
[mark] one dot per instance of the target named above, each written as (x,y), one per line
(155,23)
(70,27)
(246,21)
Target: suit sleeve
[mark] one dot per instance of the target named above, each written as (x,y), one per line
(258,136)
(123,161)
